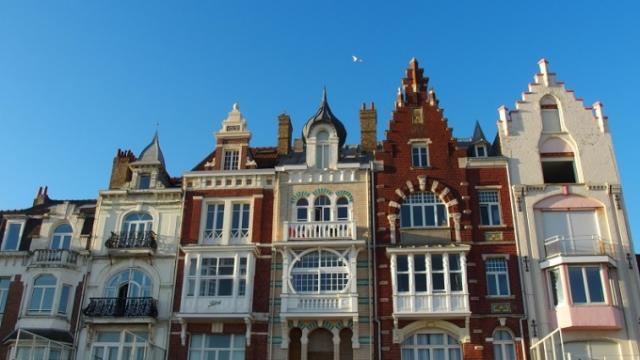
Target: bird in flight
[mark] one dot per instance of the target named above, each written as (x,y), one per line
(356,59)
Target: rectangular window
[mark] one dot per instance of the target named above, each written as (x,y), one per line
(4,293)
(437,273)
(214,223)
(558,172)
(555,283)
(240,222)
(402,271)
(231,159)
(586,285)
(414,272)
(419,155)
(481,151)
(489,207)
(64,299)
(12,237)
(420,273)
(497,277)
(455,273)
(216,347)
(217,277)
(144,182)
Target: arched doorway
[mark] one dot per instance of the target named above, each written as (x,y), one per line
(346,347)
(294,344)
(320,345)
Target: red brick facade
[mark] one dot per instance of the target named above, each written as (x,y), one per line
(11,312)
(417,118)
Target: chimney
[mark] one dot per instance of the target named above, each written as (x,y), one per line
(120,172)
(41,197)
(284,134)
(368,126)
(298,145)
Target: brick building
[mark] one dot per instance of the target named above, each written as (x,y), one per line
(447,280)
(222,283)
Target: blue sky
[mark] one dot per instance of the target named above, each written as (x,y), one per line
(79,80)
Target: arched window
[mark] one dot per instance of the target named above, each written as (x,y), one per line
(423,209)
(342,209)
(431,345)
(129,283)
(503,346)
(61,238)
(137,223)
(550,114)
(320,271)
(322,209)
(302,210)
(322,150)
(44,289)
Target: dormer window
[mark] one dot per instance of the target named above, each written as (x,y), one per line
(12,236)
(322,150)
(231,160)
(481,150)
(62,237)
(144,181)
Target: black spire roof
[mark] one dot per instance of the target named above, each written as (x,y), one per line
(478,135)
(324,115)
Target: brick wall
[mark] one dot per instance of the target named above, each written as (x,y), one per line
(11,311)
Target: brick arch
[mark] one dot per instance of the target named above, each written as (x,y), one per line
(423,183)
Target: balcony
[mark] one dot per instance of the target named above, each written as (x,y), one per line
(122,307)
(431,304)
(326,304)
(217,236)
(577,246)
(319,230)
(125,243)
(53,258)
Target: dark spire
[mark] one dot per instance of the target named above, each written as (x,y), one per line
(152,154)
(478,135)
(324,115)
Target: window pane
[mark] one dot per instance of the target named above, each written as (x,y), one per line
(484,215)
(442,215)
(407,354)
(578,292)
(405,216)
(436,262)
(556,287)
(12,238)
(225,287)
(401,263)
(64,299)
(36,298)
(403,282)
(495,215)
(456,282)
(438,282)
(218,341)
(454,262)
(429,216)
(419,263)
(421,282)
(594,281)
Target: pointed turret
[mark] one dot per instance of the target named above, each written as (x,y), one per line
(324,116)
(478,134)
(152,154)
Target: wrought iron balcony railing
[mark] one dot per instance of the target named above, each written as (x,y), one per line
(53,257)
(577,245)
(132,240)
(122,307)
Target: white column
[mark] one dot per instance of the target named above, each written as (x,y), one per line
(336,344)
(304,344)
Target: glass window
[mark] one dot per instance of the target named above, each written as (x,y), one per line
(131,345)
(342,209)
(497,277)
(4,292)
(136,224)
(302,210)
(217,277)
(322,208)
(12,237)
(557,292)
(481,151)
(431,346)
(437,273)
(240,222)
(414,273)
(558,171)
(489,207)
(586,284)
(129,283)
(144,181)
(214,223)
(44,288)
(64,299)
(62,237)
(322,150)
(402,273)
(503,345)
(231,160)
(320,271)
(423,209)
(217,347)
(419,155)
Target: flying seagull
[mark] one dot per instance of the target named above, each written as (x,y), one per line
(356,59)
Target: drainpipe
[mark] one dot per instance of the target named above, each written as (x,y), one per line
(372,250)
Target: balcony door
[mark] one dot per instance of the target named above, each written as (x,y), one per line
(571,232)
(131,283)
(137,223)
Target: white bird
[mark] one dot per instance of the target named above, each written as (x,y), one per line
(356,59)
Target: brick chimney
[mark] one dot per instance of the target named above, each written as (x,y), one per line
(368,124)
(120,172)
(284,134)
(41,197)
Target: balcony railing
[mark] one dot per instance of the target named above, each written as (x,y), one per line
(132,240)
(577,245)
(122,307)
(53,257)
(319,303)
(319,230)
(431,303)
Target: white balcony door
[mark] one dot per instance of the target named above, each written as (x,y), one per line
(577,229)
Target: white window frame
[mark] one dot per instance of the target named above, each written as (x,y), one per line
(4,294)
(501,345)
(61,237)
(423,155)
(489,203)
(333,275)
(562,297)
(484,149)
(194,279)
(148,181)
(493,275)
(240,233)
(6,234)
(231,159)
(233,349)
(225,236)
(324,208)
(446,272)
(63,304)
(585,283)
(423,205)
(138,344)
(46,291)
(298,207)
(414,347)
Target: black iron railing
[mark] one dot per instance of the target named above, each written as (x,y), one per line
(132,240)
(122,307)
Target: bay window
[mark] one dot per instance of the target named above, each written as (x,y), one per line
(226,221)
(118,345)
(320,271)
(214,276)
(216,346)
(44,289)
(431,345)
(430,273)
